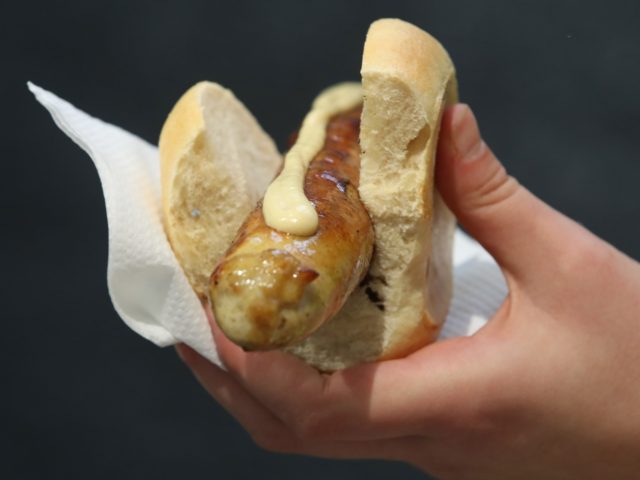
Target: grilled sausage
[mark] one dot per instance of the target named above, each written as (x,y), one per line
(271,288)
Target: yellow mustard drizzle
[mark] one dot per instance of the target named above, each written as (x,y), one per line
(285,206)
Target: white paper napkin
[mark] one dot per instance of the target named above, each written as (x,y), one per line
(147,286)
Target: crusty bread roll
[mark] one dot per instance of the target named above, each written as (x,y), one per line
(408,80)
(216,163)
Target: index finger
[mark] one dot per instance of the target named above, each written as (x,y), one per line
(369,401)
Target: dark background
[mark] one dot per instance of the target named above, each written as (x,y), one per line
(553,84)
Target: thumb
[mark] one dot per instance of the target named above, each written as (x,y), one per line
(516,227)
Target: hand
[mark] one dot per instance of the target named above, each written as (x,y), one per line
(549,388)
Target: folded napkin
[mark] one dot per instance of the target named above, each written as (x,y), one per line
(147,286)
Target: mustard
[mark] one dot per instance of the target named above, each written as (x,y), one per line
(285,206)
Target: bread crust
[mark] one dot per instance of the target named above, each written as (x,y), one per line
(215,164)
(408,80)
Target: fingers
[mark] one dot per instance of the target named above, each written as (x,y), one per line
(517,228)
(370,401)
(271,434)
(257,420)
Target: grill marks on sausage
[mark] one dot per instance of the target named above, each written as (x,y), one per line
(279,305)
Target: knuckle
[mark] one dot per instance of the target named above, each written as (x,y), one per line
(599,253)
(488,183)
(311,425)
(587,254)
(497,188)
(315,416)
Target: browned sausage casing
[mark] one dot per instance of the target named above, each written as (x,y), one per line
(272,289)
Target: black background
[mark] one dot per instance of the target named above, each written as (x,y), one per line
(553,84)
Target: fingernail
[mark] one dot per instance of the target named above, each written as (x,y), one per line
(466,136)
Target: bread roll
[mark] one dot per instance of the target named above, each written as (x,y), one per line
(408,80)
(216,163)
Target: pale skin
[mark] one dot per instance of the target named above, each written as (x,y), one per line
(549,388)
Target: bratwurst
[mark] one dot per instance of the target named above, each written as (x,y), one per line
(271,288)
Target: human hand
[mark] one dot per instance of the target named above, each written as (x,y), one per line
(549,388)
